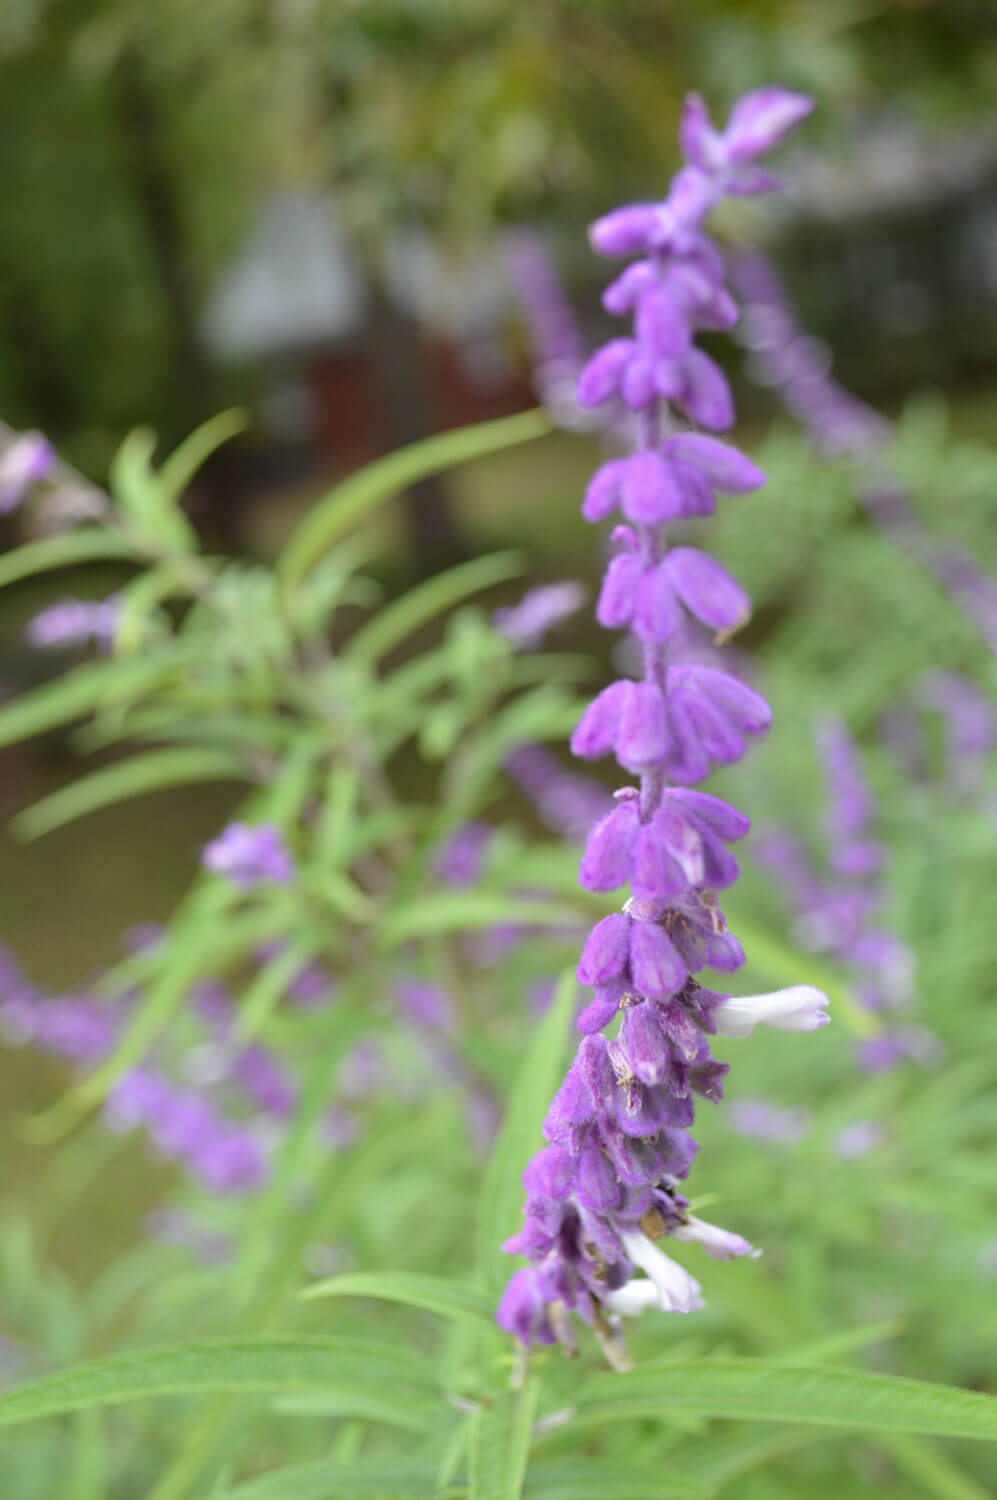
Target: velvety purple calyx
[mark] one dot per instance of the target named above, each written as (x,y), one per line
(716,713)
(609,850)
(683,846)
(707,590)
(629,719)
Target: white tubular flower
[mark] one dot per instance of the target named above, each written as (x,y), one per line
(634,1298)
(675,1290)
(799,1008)
(719,1244)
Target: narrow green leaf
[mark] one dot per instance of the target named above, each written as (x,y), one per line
(82,690)
(722,1457)
(436,1294)
(132,778)
(330,1480)
(932,1470)
(268,987)
(468,911)
(139,598)
(176,472)
(136,487)
(824,1351)
(397,621)
(389,476)
(262,1364)
(393,1408)
(501,1432)
(769,1392)
(605,1479)
(500,1202)
(88,544)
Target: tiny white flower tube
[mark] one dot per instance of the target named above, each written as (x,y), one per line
(633,1298)
(719,1244)
(800,1008)
(677,1291)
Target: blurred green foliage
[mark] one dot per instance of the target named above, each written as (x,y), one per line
(877,1262)
(137,142)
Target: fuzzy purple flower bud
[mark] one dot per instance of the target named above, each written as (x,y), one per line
(249,856)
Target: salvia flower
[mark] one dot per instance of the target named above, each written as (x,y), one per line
(538,612)
(249,856)
(839,911)
(607,1185)
(74,622)
(798,368)
(28,459)
(557,347)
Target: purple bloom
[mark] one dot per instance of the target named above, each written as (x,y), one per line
(607,1184)
(798,368)
(221,1154)
(859,1139)
(462,858)
(28,459)
(249,856)
(74,622)
(262,1077)
(540,611)
(566,802)
(839,913)
(759,1120)
(556,341)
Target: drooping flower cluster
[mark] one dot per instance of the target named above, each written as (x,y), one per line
(607,1184)
(840,913)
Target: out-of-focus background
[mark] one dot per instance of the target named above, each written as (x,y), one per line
(328,213)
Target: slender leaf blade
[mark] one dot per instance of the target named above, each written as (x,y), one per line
(772,1392)
(68,550)
(389,476)
(260,1364)
(435,1294)
(132,778)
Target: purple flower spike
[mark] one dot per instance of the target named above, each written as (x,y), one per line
(606,1186)
(249,856)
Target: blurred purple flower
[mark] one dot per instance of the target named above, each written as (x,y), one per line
(538,613)
(29,458)
(249,856)
(74,622)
